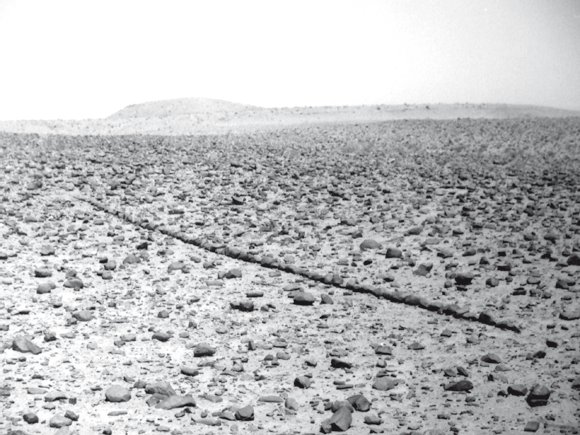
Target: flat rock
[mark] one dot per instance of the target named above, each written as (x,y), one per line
(117,393)
(304,298)
(83,315)
(176,401)
(22,344)
(162,388)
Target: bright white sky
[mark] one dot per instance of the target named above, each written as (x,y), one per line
(74,59)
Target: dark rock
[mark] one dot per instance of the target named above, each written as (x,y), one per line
(43,273)
(30,418)
(415,231)
(573,259)
(517,390)
(161,336)
(304,298)
(491,358)
(202,350)
(463,385)
(464,278)
(570,314)
(189,371)
(302,382)
(247,306)
(538,396)
(245,414)
(394,253)
(340,364)
(492,282)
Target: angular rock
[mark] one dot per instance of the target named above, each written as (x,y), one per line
(340,364)
(464,278)
(538,396)
(394,253)
(424,269)
(573,259)
(22,344)
(532,426)
(340,421)
(30,418)
(517,390)
(359,402)
(162,388)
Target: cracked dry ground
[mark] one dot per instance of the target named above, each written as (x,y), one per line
(380,278)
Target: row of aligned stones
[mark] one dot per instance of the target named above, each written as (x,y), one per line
(407,298)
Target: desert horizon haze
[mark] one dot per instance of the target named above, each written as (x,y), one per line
(77,60)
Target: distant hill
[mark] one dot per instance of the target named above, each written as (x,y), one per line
(179,107)
(188,116)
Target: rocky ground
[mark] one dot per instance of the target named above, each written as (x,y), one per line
(418,277)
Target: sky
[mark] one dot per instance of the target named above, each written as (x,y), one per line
(78,59)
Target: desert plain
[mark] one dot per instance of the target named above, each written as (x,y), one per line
(202,267)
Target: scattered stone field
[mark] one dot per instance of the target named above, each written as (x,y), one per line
(407,277)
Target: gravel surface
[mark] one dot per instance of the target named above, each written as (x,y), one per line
(412,277)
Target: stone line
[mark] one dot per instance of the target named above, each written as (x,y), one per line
(407,298)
